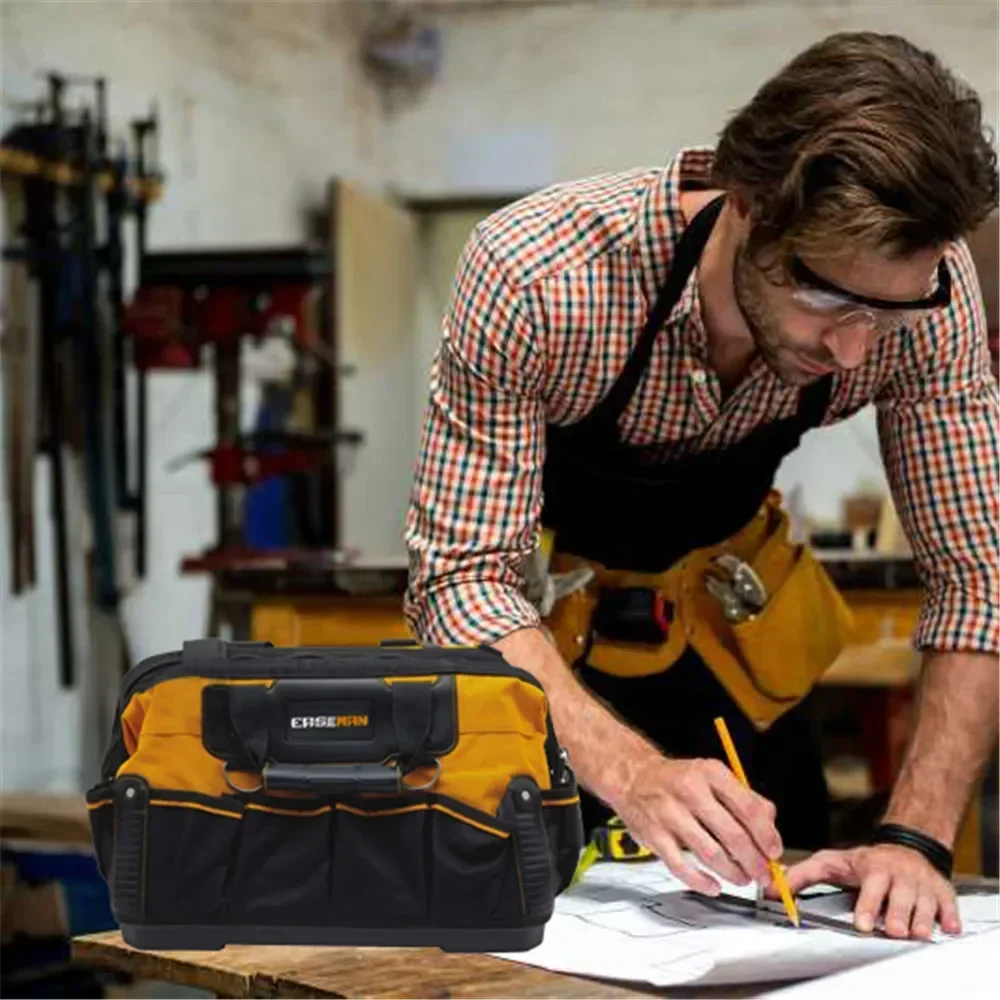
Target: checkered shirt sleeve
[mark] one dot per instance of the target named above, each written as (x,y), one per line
(476,498)
(937,424)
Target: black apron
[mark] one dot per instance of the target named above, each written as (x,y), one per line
(627,507)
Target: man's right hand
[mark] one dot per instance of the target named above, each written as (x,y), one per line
(670,805)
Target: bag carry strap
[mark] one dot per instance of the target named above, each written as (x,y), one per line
(412,712)
(250,716)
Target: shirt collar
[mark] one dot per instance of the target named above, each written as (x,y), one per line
(660,223)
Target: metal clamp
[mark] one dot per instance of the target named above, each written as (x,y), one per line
(733,582)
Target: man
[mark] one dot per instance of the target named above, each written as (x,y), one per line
(626,360)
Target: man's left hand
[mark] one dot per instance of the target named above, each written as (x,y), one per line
(899,880)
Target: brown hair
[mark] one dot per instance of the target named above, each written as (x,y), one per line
(861,140)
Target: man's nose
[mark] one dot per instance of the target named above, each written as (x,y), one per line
(849,341)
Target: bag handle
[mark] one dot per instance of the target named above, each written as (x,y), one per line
(332,779)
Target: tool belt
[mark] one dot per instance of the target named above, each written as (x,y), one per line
(396,795)
(761,612)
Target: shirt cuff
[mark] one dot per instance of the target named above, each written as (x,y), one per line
(469,613)
(956,621)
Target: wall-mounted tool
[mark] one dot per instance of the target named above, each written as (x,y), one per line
(71,197)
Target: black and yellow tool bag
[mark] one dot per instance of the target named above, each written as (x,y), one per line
(394,795)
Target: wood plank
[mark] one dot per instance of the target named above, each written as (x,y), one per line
(246,971)
(253,971)
(215,971)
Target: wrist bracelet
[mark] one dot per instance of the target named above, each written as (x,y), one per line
(904,836)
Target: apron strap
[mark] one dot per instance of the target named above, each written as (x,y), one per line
(689,249)
(813,401)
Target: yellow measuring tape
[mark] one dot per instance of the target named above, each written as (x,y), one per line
(611,842)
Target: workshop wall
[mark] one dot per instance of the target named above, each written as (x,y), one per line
(262,103)
(574,89)
(258,110)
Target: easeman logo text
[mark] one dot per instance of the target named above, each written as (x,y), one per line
(328,721)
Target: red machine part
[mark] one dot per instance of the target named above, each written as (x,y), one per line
(239,465)
(169,325)
(154,322)
(235,466)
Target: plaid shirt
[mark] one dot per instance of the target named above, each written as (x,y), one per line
(550,295)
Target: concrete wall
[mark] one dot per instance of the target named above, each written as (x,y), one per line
(530,95)
(260,104)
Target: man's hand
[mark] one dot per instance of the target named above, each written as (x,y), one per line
(897,879)
(667,805)
(955,728)
(670,805)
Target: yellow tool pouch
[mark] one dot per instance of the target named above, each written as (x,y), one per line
(768,662)
(394,795)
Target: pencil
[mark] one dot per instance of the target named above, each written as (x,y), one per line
(776,872)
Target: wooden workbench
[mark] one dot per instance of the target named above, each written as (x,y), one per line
(253,971)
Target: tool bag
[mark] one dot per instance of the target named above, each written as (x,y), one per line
(394,795)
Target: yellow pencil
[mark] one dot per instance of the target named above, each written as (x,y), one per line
(776,871)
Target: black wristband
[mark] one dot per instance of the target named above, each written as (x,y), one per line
(904,836)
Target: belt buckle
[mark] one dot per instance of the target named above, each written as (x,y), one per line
(735,584)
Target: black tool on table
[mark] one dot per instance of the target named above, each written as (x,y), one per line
(772,913)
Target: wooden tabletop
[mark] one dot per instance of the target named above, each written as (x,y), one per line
(253,971)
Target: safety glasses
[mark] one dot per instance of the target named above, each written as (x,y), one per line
(819,295)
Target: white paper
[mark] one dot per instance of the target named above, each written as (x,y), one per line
(630,922)
(968,968)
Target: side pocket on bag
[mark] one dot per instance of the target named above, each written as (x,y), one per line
(474,880)
(799,633)
(564,825)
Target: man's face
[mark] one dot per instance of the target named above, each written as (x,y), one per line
(803,333)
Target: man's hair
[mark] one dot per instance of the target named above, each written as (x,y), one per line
(863,140)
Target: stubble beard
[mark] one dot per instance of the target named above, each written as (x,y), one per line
(750,299)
